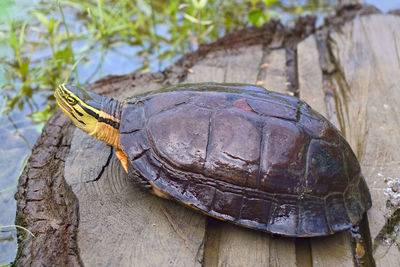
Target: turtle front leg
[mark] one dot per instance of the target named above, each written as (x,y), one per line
(123,158)
(124,161)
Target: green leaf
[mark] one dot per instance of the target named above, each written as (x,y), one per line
(64,54)
(27,90)
(24,68)
(22,35)
(42,116)
(42,18)
(12,102)
(51,25)
(299,9)
(270,2)
(199,4)
(256,17)
(13,41)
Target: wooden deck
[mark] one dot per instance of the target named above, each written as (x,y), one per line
(75,197)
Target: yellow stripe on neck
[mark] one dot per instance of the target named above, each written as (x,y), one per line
(106,132)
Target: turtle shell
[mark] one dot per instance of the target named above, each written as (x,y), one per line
(239,153)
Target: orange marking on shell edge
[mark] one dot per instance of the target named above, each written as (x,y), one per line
(242,104)
(158,192)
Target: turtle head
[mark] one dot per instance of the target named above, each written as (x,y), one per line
(96,115)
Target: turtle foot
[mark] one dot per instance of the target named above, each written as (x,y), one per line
(122,157)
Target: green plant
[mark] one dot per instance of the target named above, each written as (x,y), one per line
(59,37)
(260,12)
(12,226)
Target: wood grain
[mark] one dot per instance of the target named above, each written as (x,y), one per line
(367,91)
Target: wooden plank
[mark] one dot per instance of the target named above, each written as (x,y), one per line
(243,65)
(240,247)
(310,75)
(367,51)
(273,71)
(312,91)
(211,69)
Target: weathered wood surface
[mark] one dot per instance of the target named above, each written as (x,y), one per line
(366,88)
(83,209)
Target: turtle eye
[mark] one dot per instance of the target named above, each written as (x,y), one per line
(71,101)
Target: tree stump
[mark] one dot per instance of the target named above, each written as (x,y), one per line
(83,209)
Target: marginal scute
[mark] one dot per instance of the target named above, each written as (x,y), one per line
(174,185)
(365,197)
(352,201)
(200,195)
(283,219)
(256,210)
(353,168)
(312,219)
(145,165)
(227,204)
(134,144)
(336,212)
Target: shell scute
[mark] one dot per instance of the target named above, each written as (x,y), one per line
(312,219)
(352,201)
(283,219)
(227,205)
(272,108)
(336,212)
(168,101)
(283,156)
(133,119)
(200,194)
(255,210)
(326,171)
(173,140)
(233,148)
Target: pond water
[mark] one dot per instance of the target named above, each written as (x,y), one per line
(99,49)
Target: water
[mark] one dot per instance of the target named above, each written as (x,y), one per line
(18,132)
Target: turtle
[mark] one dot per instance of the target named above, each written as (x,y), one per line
(236,152)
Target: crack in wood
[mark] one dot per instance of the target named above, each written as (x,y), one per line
(212,243)
(303,252)
(176,228)
(387,229)
(103,168)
